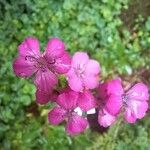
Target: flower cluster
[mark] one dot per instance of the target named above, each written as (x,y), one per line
(84,93)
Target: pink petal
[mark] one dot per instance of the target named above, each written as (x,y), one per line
(76,124)
(86,100)
(143,107)
(114,104)
(63,64)
(45,80)
(135,110)
(138,92)
(92,67)
(138,108)
(68,100)
(102,91)
(23,67)
(105,119)
(70,73)
(91,82)
(55,48)
(114,87)
(75,84)
(30,47)
(57,115)
(129,116)
(43,97)
(79,58)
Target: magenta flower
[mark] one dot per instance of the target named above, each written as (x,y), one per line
(55,60)
(134,101)
(68,109)
(83,73)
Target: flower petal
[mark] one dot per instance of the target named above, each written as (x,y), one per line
(75,84)
(102,91)
(114,87)
(23,67)
(129,116)
(105,119)
(138,108)
(135,110)
(138,92)
(68,100)
(45,80)
(30,47)
(43,97)
(63,64)
(114,104)
(91,82)
(143,107)
(86,100)
(92,67)
(79,58)
(55,48)
(57,115)
(76,124)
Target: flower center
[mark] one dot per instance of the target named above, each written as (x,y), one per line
(41,62)
(125,98)
(79,70)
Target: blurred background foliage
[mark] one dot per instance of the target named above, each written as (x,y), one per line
(115,32)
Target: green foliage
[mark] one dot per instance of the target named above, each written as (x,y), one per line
(124,136)
(92,26)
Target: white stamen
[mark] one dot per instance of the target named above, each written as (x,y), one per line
(91,111)
(78,111)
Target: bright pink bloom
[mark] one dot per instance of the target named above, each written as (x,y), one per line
(55,60)
(134,100)
(83,73)
(66,109)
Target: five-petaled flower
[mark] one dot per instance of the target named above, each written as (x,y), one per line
(68,108)
(83,73)
(55,60)
(134,101)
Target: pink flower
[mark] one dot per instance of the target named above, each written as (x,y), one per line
(134,101)
(105,118)
(83,73)
(55,60)
(68,109)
